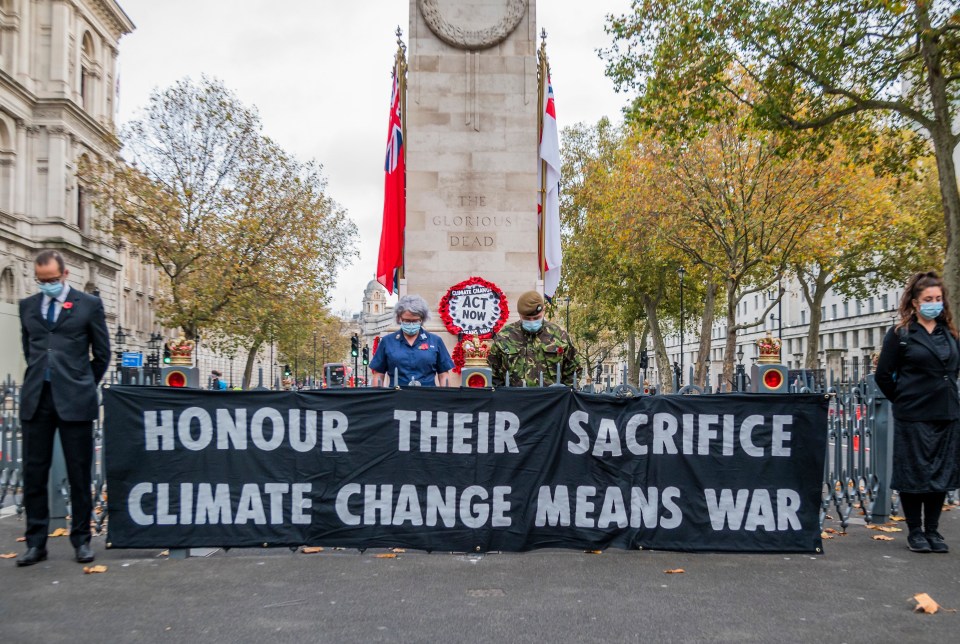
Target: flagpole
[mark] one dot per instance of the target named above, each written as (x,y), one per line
(543,73)
(401,66)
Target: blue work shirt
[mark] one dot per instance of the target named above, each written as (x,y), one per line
(423,361)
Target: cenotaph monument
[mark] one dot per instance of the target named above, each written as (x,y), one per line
(471,154)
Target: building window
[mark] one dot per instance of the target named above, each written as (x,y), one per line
(846,309)
(823,313)
(856,339)
(870,305)
(803,317)
(885,301)
(868,337)
(859,307)
(833,311)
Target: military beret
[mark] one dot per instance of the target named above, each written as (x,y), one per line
(530,303)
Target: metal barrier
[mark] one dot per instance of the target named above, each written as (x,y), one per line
(856,476)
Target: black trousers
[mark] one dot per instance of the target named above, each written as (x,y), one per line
(77,440)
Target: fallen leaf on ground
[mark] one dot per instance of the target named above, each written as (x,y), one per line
(675,571)
(594,552)
(947,508)
(884,528)
(386,555)
(164,553)
(309,550)
(90,570)
(895,517)
(830,530)
(397,550)
(9,555)
(826,535)
(925,604)
(21,539)
(60,532)
(881,537)
(828,517)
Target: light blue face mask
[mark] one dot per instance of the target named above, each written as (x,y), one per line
(532,326)
(410,328)
(52,290)
(931,310)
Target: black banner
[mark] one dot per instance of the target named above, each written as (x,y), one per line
(463,469)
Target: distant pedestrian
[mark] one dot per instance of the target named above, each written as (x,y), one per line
(917,370)
(418,357)
(217,384)
(67,348)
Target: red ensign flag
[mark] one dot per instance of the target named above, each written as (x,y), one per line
(394,197)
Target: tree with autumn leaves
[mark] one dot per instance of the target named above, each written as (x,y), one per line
(865,73)
(736,210)
(248,239)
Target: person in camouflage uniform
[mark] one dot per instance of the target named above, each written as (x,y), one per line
(532,345)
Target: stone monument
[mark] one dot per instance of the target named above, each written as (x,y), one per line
(471,148)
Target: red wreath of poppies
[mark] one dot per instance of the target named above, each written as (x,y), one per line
(444,310)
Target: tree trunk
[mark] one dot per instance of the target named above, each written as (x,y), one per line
(706,336)
(944,144)
(631,356)
(659,349)
(251,358)
(730,346)
(814,298)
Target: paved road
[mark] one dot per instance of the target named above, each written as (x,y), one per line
(857,591)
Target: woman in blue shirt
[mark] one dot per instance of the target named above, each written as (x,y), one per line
(419,358)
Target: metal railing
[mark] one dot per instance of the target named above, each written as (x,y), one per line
(856,475)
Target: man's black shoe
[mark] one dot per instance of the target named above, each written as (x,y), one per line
(32,556)
(917,542)
(84,553)
(937,544)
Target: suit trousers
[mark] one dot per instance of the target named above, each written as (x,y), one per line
(76,437)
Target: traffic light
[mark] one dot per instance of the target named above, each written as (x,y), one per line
(644,360)
(166,354)
(366,355)
(286,371)
(354,346)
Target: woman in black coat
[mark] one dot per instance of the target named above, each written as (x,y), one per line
(918,370)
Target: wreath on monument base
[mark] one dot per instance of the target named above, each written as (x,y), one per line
(448,309)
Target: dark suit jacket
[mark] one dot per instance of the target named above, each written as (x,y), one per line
(925,387)
(66,349)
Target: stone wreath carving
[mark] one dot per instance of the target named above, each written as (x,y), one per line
(472,39)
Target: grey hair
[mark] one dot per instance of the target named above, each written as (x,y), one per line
(412,304)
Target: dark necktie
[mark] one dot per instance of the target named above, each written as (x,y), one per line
(52,312)
(51,319)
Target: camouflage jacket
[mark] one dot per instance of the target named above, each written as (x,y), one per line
(525,355)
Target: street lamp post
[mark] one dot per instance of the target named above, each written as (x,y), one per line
(314,377)
(741,379)
(681,272)
(323,339)
(119,338)
(567,300)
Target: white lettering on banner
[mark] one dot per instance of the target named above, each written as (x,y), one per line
(214,504)
(699,435)
(195,429)
(729,507)
(474,507)
(554,509)
(470,432)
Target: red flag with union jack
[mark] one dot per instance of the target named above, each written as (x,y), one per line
(390,258)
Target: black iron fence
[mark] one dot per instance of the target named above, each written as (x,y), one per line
(856,476)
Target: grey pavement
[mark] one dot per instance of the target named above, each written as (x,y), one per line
(858,591)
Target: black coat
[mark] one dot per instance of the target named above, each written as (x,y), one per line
(925,387)
(80,329)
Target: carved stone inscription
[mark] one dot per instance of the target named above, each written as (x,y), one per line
(475,230)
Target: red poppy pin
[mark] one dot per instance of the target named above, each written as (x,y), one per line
(559,351)
(68,305)
(424,346)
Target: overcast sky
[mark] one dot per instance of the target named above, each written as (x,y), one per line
(319,73)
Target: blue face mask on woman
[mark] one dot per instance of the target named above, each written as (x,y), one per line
(51,290)
(931,310)
(532,326)
(410,328)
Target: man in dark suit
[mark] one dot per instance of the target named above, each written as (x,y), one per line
(61,328)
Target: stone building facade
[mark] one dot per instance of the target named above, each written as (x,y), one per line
(58,81)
